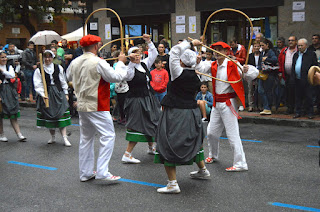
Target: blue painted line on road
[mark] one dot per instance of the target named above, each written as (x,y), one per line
(33,165)
(313,146)
(297,207)
(141,183)
(75,125)
(244,140)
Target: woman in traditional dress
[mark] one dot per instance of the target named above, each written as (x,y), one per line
(180,133)
(57,114)
(9,98)
(142,109)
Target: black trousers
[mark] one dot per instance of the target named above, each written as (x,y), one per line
(121,97)
(303,95)
(290,93)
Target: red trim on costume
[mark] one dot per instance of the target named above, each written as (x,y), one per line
(233,75)
(103,96)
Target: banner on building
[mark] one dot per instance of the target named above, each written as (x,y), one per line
(192,24)
(107,28)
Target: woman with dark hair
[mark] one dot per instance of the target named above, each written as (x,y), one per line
(57,114)
(265,87)
(9,98)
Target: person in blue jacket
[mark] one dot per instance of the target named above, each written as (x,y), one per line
(204,100)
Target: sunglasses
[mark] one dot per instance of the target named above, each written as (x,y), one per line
(291,40)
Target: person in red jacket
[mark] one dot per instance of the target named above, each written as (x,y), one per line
(160,79)
(238,52)
(225,104)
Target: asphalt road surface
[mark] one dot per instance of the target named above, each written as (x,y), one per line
(283,174)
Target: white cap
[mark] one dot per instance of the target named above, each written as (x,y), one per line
(189,58)
(51,52)
(132,49)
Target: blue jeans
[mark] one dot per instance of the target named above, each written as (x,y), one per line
(160,96)
(28,74)
(265,91)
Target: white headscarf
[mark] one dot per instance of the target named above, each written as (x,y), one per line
(189,58)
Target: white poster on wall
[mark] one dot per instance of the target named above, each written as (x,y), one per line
(180,28)
(298,16)
(192,24)
(180,19)
(298,5)
(115,30)
(107,28)
(94,26)
(155,35)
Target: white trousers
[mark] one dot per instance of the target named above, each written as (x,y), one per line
(222,118)
(90,123)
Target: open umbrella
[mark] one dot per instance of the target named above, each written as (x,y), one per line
(45,37)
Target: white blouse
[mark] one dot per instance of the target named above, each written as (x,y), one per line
(49,69)
(9,74)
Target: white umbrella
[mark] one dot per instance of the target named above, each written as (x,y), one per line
(75,35)
(45,37)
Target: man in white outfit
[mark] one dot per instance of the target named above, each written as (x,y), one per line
(91,82)
(225,106)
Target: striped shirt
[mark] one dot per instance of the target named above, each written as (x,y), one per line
(288,60)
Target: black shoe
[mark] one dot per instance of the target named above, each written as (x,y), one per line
(296,116)
(310,117)
(288,112)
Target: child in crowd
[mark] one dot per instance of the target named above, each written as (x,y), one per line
(160,79)
(204,100)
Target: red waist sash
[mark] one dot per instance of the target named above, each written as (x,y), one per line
(226,98)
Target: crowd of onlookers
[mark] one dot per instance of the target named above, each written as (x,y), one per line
(282,80)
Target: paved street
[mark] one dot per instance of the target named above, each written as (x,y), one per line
(283,168)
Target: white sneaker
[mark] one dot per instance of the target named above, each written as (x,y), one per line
(52,140)
(236,169)
(21,137)
(201,174)
(152,150)
(66,142)
(241,108)
(110,177)
(129,159)
(84,179)
(266,112)
(171,188)
(3,138)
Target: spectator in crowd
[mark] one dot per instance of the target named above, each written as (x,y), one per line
(302,61)
(265,87)
(29,60)
(54,44)
(204,101)
(205,67)
(285,68)
(1,46)
(68,53)
(78,52)
(60,50)
(113,48)
(165,43)
(238,52)
(103,52)
(280,45)
(164,57)
(315,46)
(258,38)
(160,79)
(254,60)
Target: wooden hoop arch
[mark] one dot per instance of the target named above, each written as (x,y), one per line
(250,41)
(120,22)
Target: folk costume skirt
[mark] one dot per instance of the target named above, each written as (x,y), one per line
(57,114)
(9,101)
(179,137)
(142,115)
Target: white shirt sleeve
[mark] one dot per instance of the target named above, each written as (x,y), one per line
(9,74)
(204,67)
(63,81)
(174,60)
(68,73)
(152,55)
(37,82)
(130,70)
(111,75)
(252,73)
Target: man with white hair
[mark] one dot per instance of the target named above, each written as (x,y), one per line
(179,135)
(225,104)
(301,63)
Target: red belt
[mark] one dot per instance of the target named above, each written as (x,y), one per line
(226,98)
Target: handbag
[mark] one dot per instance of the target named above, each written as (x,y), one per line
(262,75)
